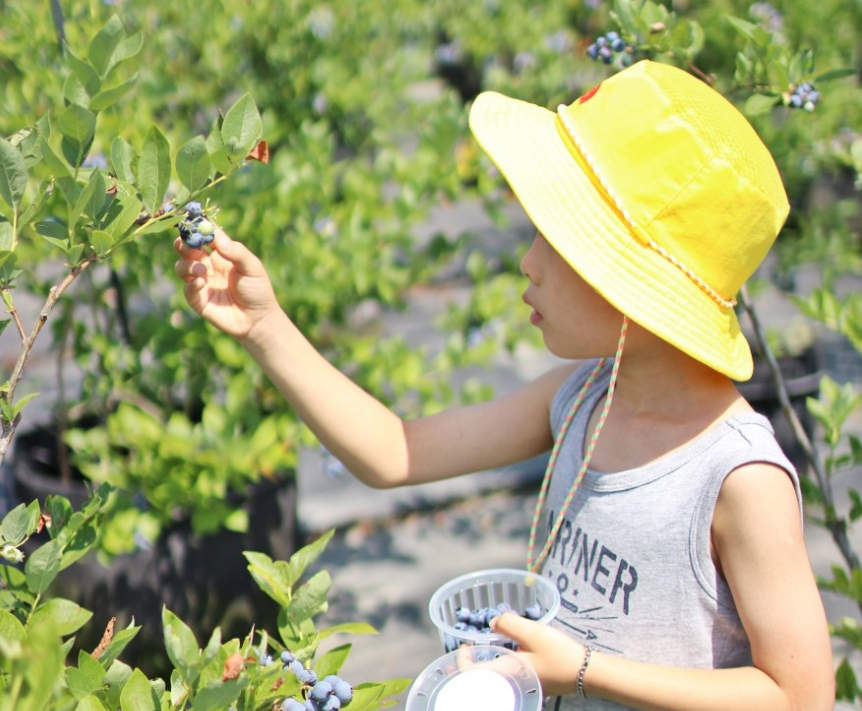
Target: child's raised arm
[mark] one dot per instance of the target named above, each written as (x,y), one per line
(229,287)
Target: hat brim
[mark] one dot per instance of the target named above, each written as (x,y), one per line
(558,196)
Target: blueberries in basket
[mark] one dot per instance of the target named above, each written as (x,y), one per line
(478,620)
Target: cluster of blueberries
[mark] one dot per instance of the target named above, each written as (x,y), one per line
(479,620)
(328,694)
(606,47)
(196,230)
(804,96)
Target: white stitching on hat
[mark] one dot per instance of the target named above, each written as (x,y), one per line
(706,288)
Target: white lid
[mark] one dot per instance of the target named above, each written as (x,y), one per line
(470,678)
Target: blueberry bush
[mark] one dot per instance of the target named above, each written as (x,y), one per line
(280,669)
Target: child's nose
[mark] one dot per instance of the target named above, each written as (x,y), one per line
(528,261)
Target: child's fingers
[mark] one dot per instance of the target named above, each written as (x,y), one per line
(525,632)
(234,252)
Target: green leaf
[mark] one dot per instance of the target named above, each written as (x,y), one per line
(759,104)
(89,676)
(118,643)
(117,675)
(77,123)
(304,557)
(347,628)
(91,200)
(42,677)
(229,157)
(106,98)
(219,695)
(309,599)
(67,616)
(138,694)
(846,686)
(84,72)
(242,123)
(154,169)
(17,525)
(271,577)
(44,192)
(42,567)
(832,74)
(124,160)
(101,242)
(74,92)
(193,164)
(21,403)
(105,44)
(128,48)
(856,509)
(332,661)
(13,174)
(11,628)
(122,215)
(181,646)
(91,703)
(61,172)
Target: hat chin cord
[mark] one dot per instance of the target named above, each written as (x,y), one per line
(534,564)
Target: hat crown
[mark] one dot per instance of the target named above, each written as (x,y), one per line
(684,167)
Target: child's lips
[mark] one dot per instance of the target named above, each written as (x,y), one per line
(535,316)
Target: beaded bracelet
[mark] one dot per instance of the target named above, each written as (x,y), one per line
(588,651)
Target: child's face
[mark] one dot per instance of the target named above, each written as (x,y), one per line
(576,322)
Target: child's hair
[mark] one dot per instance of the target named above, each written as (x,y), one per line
(656,190)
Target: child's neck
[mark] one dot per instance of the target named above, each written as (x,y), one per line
(664,399)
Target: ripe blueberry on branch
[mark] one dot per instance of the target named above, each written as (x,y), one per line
(195,229)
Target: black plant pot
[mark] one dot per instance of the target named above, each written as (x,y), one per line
(202,579)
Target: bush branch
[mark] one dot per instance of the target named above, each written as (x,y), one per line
(836,525)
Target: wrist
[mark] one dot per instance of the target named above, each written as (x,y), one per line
(580,682)
(264,331)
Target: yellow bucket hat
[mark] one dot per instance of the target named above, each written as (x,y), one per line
(656,190)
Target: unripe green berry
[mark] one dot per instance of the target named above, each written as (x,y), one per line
(205,227)
(12,554)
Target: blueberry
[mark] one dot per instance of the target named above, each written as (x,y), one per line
(533,612)
(462,614)
(321,691)
(333,703)
(193,208)
(265,660)
(343,691)
(332,679)
(195,240)
(287,656)
(292,705)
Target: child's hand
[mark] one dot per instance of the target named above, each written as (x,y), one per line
(554,655)
(228,286)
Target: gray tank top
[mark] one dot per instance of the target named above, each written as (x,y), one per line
(632,559)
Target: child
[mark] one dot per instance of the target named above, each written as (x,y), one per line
(669,519)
